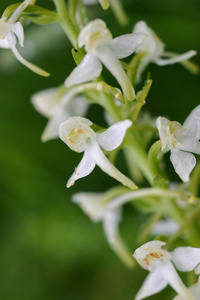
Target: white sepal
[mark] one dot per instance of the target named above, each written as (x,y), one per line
(186,258)
(111,138)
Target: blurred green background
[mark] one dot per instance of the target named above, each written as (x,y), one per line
(49,248)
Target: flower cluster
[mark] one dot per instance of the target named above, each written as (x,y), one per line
(172,209)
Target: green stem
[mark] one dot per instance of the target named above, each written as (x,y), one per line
(139,155)
(66,22)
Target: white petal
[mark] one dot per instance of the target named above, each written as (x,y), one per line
(192,123)
(161,125)
(91,204)
(89,69)
(45,102)
(29,65)
(188,143)
(19,31)
(194,289)
(179,58)
(101,160)
(186,258)
(113,136)
(126,44)
(107,57)
(52,129)
(169,273)
(5,44)
(165,227)
(110,223)
(183,163)
(153,284)
(85,167)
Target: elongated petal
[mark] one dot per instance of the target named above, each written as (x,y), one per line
(161,125)
(89,69)
(194,289)
(126,44)
(169,273)
(29,65)
(192,123)
(153,284)
(186,258)
(52,129)
(179,58)
(113,136)
(85,167)
(101,160)
(110,223)
(183,163)
(107,57)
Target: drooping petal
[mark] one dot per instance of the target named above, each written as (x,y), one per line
(110,223)
(29,65)
(107,57)
(19,31)
(194,289)
(153,284)
(113,136)
(89,69)
(186,258)
(51,130)
(91,204)
(171,276)
(101,160)
(183,163)
(192,123)
(85,167)
(126,44)
(179,58)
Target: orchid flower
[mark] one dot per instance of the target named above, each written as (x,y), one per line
(103,49)
(95,206)
(57,107)
(79,137)
(181,140)
(154,49)
(11,30)
(153,258)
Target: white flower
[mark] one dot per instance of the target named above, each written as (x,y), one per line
(79,137)
(57,107)
(154,49)
(181,140)
(103,49)
(95,206)
(162,272)
(11,30)
(165,227)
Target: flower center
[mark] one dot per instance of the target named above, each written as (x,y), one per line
(171,128)
(99,38)
(77,138)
